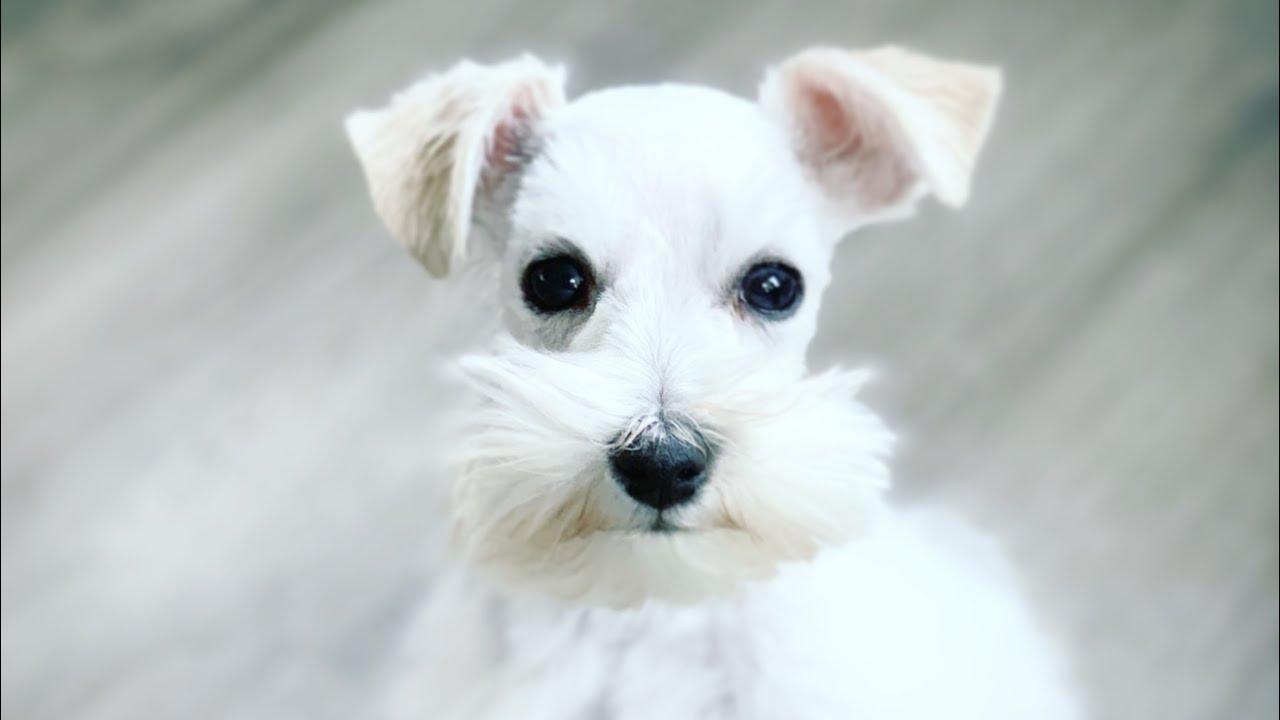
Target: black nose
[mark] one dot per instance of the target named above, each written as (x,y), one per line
(661,472)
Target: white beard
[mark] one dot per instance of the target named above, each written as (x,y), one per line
(800,468)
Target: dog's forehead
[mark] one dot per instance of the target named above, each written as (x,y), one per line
(696,123)
(689,166)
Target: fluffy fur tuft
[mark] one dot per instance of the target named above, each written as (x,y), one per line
(534,501)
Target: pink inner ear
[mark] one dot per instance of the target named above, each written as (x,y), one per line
(506,148)
(830,131)
(845,137)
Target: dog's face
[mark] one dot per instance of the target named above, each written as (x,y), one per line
(646,427)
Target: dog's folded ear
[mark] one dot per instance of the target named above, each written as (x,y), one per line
(878,129)
(445,143)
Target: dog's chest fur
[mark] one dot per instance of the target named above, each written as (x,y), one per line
(918,621)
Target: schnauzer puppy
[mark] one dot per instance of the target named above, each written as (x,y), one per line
(657,511)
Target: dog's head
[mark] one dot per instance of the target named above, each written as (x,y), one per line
(646,426)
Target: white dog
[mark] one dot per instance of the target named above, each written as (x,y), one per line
(659,512)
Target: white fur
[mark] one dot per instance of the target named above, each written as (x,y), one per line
(534,501)
(787,588)
(890,627)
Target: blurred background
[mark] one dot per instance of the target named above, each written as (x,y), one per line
(217,395)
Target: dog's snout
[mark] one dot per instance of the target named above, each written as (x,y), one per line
(661,472)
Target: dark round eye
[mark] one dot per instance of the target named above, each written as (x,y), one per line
(556,283)
(772,289)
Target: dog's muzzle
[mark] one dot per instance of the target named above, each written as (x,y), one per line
(663,469)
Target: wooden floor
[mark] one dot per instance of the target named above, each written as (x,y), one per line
(216,367)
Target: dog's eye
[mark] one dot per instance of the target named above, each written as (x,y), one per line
(556,283)
(772,289)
